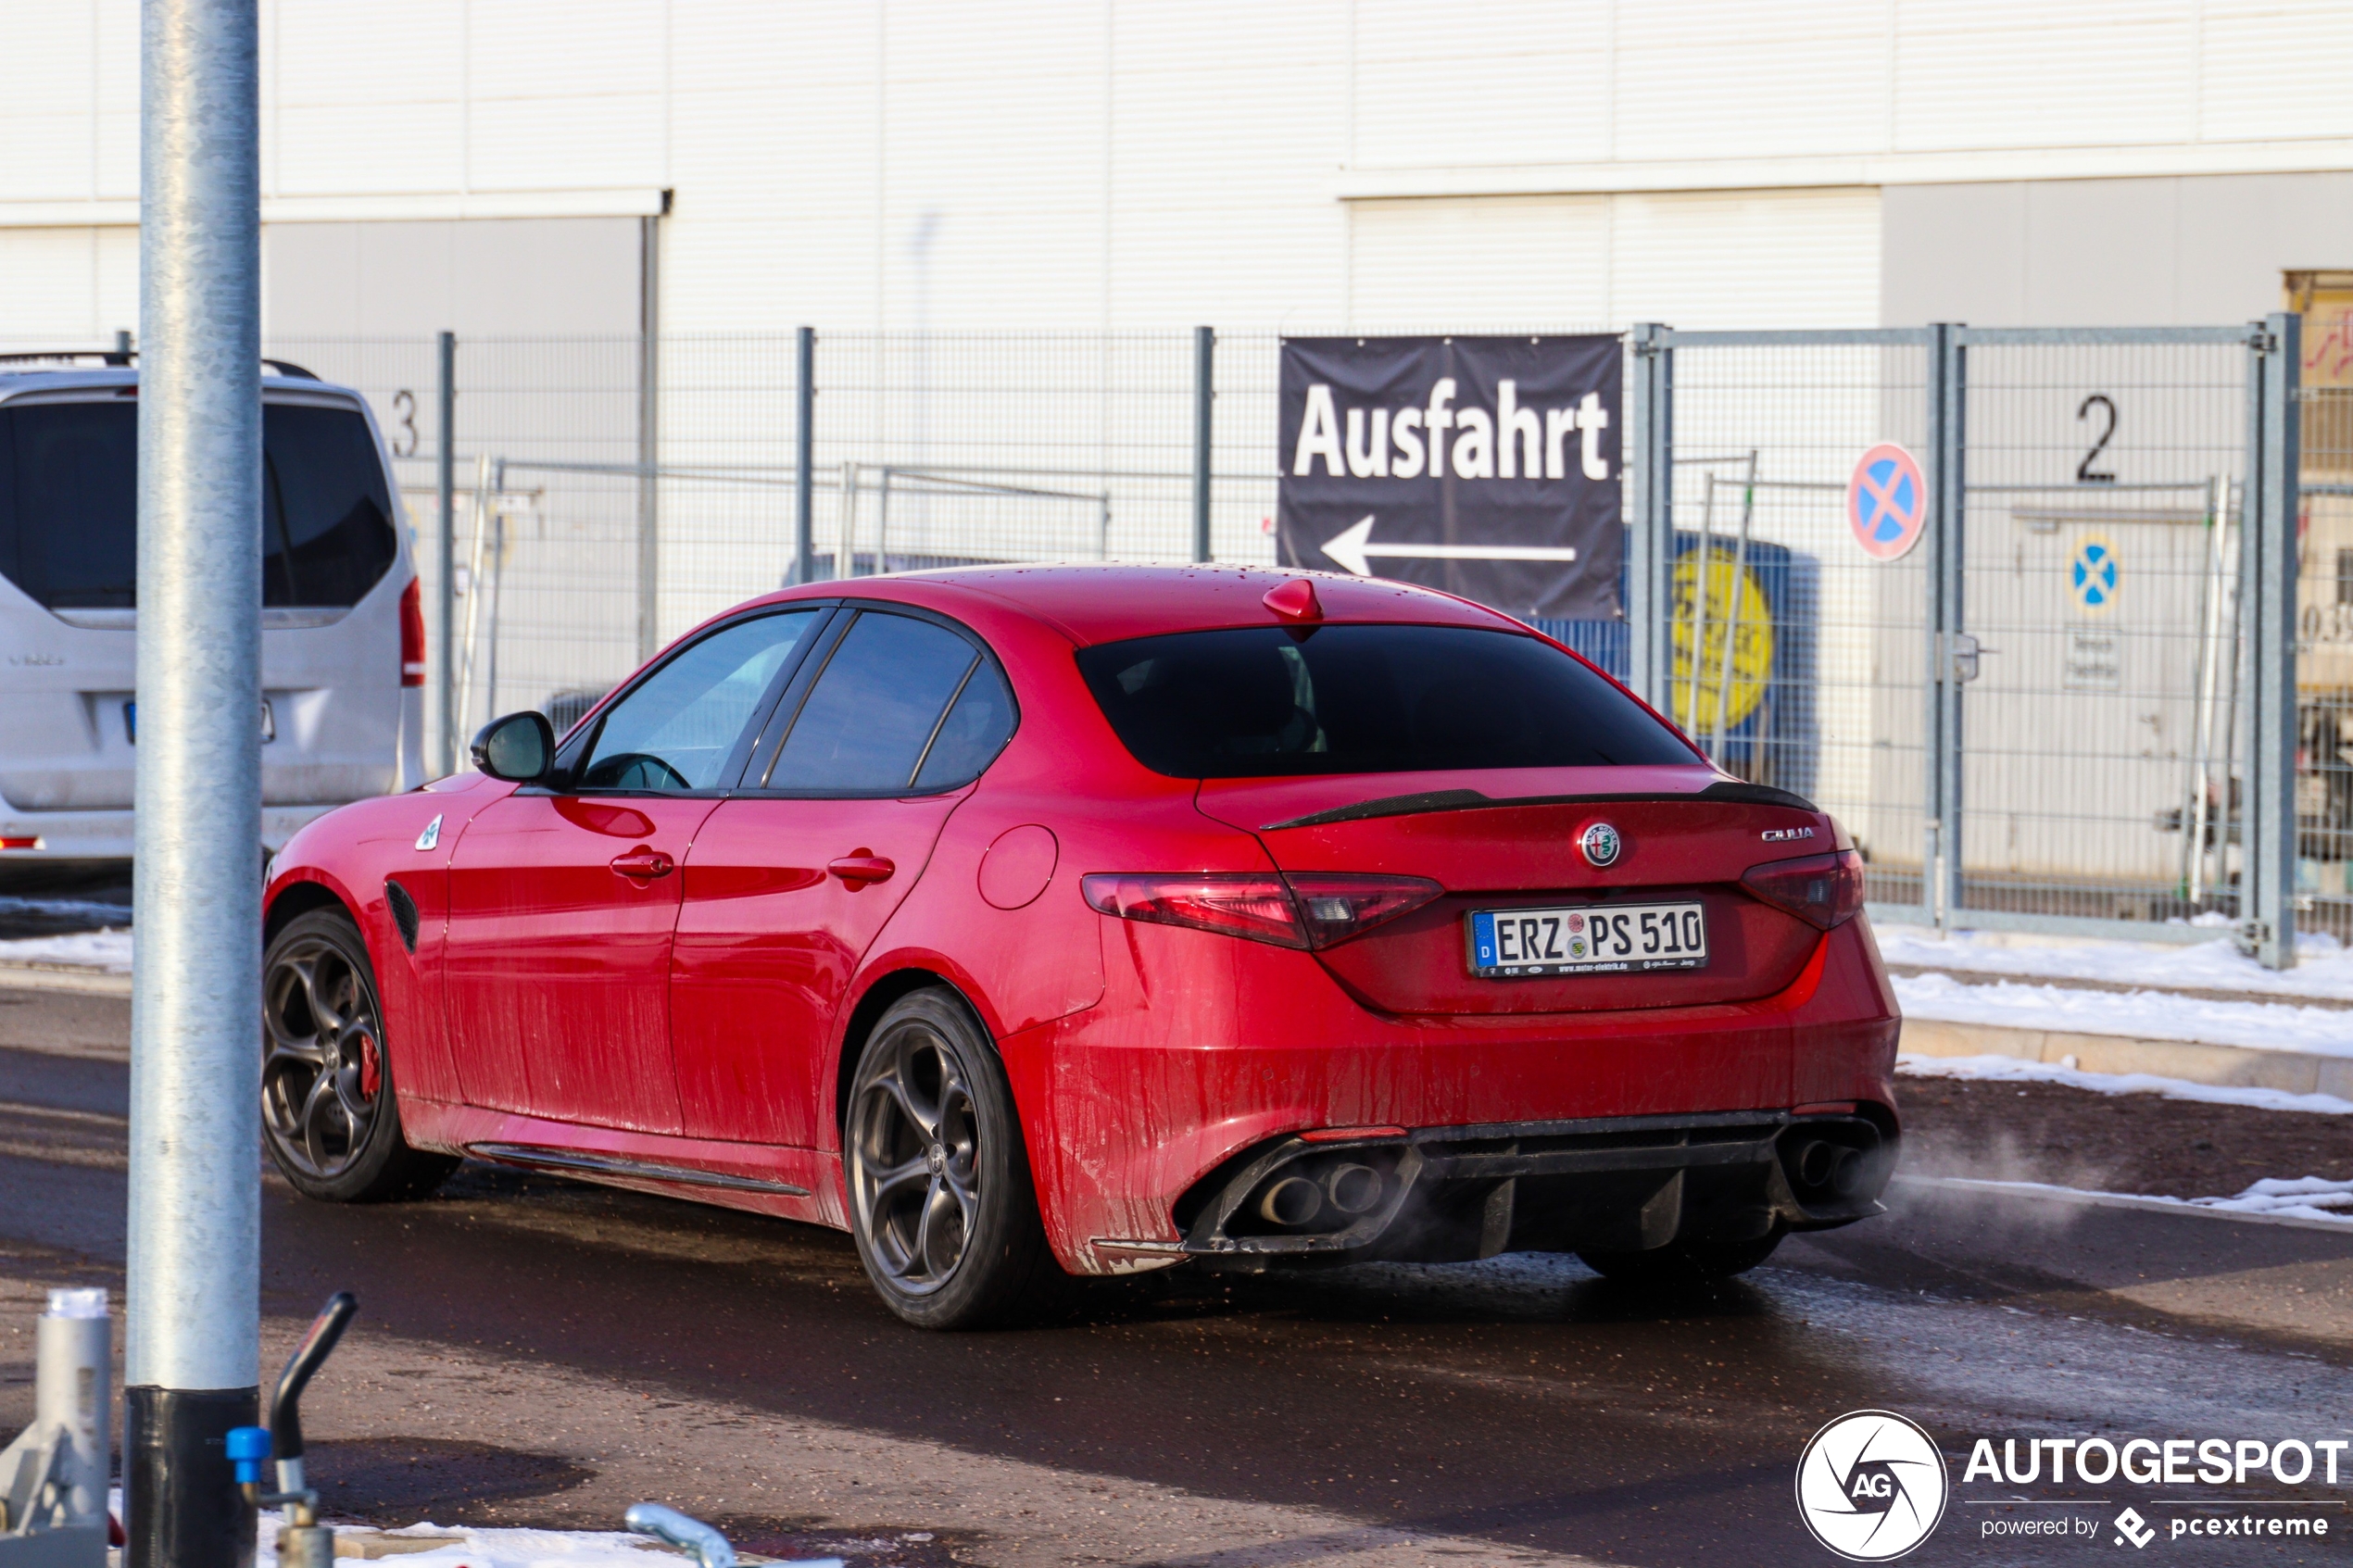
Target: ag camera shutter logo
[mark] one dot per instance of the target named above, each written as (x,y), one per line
(1871,1486)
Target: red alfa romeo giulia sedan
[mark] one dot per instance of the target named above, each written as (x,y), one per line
(1088,920)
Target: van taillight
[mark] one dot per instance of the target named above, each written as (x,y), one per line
(1824,890)
(412,635)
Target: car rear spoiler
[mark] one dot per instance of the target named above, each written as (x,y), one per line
(1472,800)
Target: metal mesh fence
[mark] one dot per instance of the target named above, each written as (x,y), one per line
(2101,743)
(2324,610)
(1795,660)
(952,449)
(602,511)
(607,499)
(548,506)
(2105,670)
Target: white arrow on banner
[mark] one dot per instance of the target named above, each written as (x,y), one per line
(1354,550)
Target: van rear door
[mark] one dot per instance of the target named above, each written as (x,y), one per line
(69,552)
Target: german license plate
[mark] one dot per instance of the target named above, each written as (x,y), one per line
(1588,939)
(130,722)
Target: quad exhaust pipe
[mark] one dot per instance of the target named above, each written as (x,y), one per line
(1346,1189)
(1291,1202)
(1819,1168)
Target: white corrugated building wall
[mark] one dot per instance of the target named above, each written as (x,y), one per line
(1090,164)
(581,167)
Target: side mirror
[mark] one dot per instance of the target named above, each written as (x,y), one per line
(518,747)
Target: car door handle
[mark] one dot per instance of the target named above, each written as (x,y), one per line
(856,871)
(644,865)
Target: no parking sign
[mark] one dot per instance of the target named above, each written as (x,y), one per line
(2093,574)
(1887,502)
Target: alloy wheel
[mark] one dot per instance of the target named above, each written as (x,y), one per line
(914,1160)
(322,1059)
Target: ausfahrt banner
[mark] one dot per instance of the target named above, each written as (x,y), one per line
(1485,466)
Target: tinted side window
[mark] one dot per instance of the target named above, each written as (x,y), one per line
(976,731)
(69,504)
(874,713)
(676,730)
(1255,703)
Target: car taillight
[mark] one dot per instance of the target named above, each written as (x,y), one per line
(1338,906)
(1313,910)
(412,635)
(1824,890)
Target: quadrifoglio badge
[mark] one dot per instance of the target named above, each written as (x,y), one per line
(1872,1485)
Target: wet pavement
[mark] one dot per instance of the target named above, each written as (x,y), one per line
(531,1349)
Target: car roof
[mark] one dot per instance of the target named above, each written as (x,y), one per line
(43,374)
(1093,604)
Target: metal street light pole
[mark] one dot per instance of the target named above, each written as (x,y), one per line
(191,1364)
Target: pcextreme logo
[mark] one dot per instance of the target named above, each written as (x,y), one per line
(1871,1486)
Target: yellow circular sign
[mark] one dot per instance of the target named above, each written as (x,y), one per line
(1733,611)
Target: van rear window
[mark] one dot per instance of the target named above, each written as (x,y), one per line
(1260,702)
(69,504)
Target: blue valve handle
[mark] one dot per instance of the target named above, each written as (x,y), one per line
(248,1450)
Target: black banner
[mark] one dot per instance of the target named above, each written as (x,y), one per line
(1485,466)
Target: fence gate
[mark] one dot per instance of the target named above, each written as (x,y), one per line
(2071,705)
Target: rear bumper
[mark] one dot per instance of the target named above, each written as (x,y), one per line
(111,836)
(1611,1183)
(1205,1051)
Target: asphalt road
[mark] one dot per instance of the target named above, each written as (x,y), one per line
(539,1351)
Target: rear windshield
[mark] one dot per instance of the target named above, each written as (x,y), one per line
(1269,701)
(69,504)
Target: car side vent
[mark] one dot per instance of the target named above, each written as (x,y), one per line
(403,914)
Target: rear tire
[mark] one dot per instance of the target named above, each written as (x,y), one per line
(1684,1262)
(329,1114)
(941,1200)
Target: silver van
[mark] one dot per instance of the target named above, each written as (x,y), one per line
(343,645)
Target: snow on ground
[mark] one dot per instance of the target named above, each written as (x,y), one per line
(109,950)
(2306,1198)
(2302,1198)
(501,1548)
(2150,1015)
(468,1548)
(2012,1070)
(525,1548)
(2323,967)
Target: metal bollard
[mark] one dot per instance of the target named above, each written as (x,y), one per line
(72,1394)
(53,1478)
